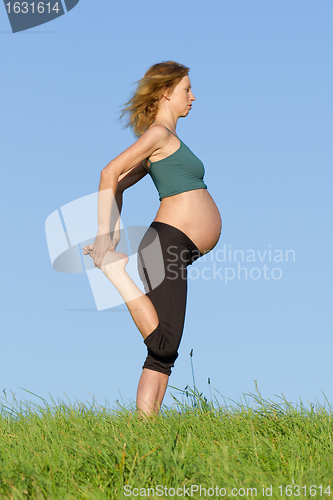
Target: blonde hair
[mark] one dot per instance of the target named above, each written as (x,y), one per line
(144,105)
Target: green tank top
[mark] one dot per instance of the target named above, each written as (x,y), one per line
(179,172)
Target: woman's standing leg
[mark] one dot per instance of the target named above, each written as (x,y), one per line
(159,314)
(167,292)
(151,390)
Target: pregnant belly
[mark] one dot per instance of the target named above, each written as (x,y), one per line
(196,214)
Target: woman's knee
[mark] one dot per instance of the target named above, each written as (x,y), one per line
(163,343)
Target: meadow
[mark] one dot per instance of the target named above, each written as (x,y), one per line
(198,449)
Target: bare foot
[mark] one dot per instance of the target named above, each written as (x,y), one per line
(113,262)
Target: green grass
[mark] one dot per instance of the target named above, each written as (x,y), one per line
(61,451)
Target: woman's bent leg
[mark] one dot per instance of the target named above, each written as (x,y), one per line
(139,305)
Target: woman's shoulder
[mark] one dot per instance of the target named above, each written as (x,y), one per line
(158,131)
(155,136)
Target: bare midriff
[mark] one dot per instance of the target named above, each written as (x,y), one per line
(195,214)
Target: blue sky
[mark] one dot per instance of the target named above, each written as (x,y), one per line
(262,76)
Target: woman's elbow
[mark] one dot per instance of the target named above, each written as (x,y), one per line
(108,172)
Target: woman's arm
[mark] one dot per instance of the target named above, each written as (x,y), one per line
(124,182)
(132,177)
(152,140)
(115,219)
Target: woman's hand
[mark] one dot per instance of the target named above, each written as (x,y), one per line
(101,245)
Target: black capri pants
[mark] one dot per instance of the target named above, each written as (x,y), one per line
(163,256)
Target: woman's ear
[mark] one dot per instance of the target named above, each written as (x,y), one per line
(166,94)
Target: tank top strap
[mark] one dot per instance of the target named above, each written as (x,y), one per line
(172,133)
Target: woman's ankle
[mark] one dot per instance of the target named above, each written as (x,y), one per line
(113,266)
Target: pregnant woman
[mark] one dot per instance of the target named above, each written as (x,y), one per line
(187,224)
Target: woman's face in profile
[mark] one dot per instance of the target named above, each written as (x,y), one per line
(182,97)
